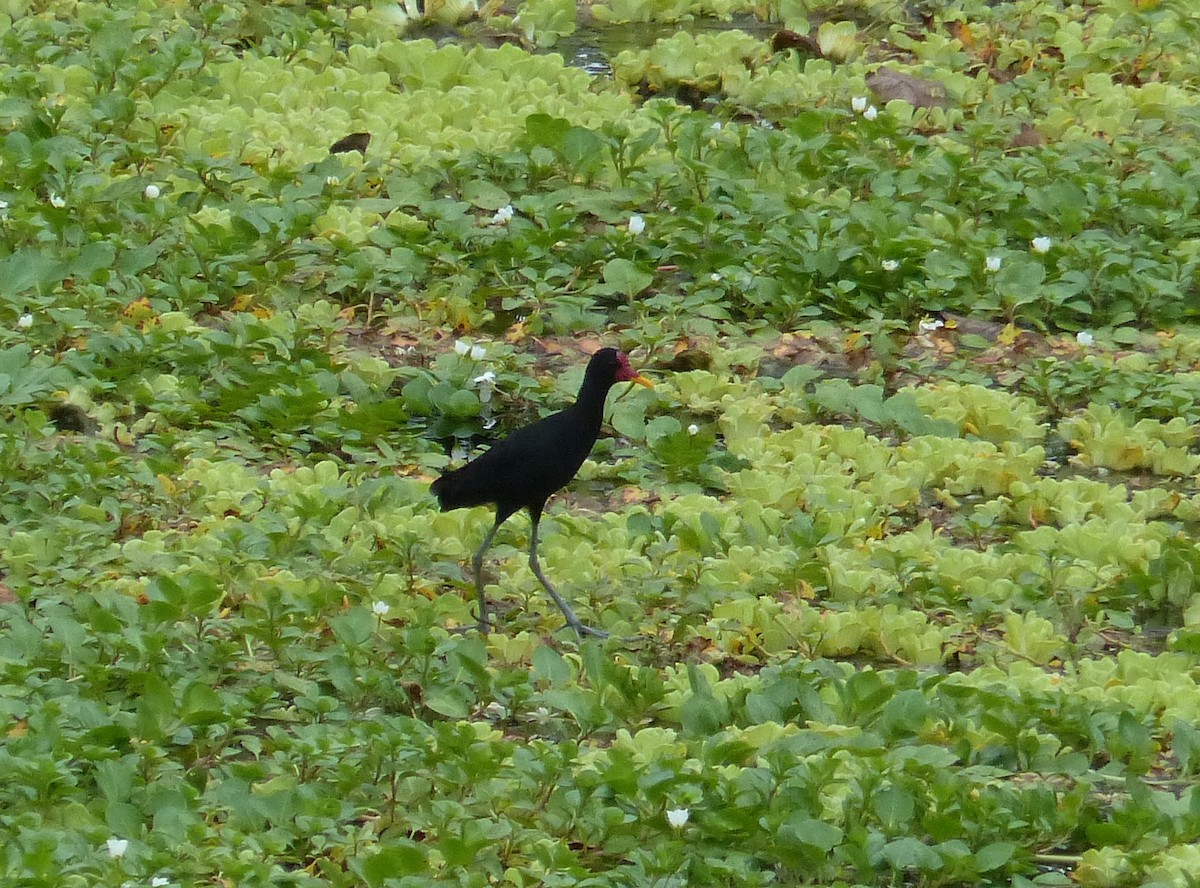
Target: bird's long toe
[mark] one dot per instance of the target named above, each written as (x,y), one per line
(583,630)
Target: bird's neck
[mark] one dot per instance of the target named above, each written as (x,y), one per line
(590,402)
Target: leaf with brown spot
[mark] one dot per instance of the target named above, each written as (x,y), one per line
(139,309)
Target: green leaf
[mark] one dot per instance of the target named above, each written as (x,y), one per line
(910,853)
(550,667)
(97,256)
(625,277)
(201,705)
(353,628)
(26,269)
(543,129)
(399,857)
(484,195)
(817,833)
(894,806)
(994,856)
(452,702)
(583,150)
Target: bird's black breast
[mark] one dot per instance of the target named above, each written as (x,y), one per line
(524,469)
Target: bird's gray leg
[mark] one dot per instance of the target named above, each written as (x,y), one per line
(477,563)
(535,565)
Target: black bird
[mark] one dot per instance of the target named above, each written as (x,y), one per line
(523,470)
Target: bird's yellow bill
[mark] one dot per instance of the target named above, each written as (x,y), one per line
(641,380)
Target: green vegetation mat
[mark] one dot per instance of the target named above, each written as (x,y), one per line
(899,555)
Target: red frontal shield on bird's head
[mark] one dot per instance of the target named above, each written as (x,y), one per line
(626,373)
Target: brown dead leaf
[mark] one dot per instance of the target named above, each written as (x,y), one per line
(804,348)
(888,84)
(967,325)
(1028,137)
(686,359)
(517,332)
(7,596)
(353,142)
(404,340)
(635,496)
(785,39)
(963,34)
(19,729)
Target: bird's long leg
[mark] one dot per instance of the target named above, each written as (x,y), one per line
(535,565)
(477,564)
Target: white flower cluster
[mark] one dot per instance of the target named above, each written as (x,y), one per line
(860,105)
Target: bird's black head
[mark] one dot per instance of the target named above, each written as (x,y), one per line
(609,366)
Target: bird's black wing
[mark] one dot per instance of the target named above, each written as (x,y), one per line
(523,469)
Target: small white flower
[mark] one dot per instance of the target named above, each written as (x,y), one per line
(478,353)
(117,847)
(1040,244)
(716,127)
(490,423)
(56,201)
(871,113)
(159,882)
(1084,338)
(992,263)
(462,347)
(152,192)
(930,324)
(25,321)
(636,224)
(859,104)
(715,277)
(503,215)
(487,385)
(3,208)
(333,181)
(678,817)
(380,608)
(693,429)
(890,264)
